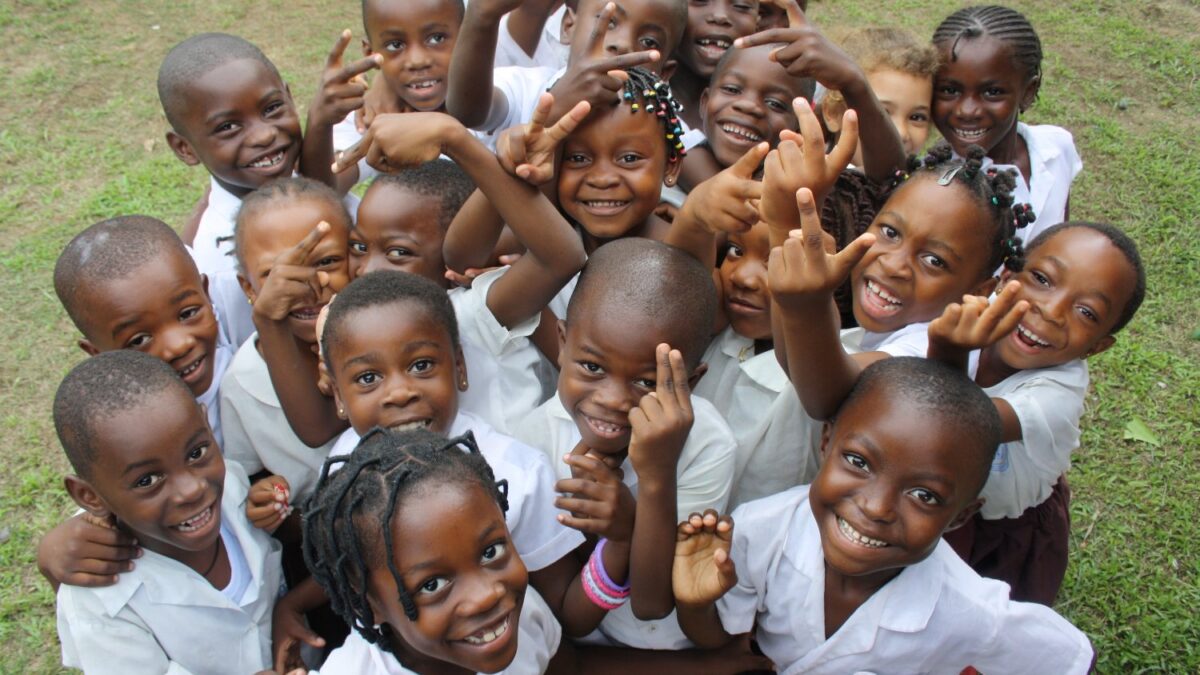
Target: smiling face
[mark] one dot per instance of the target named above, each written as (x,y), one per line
(638,25)
(712,26)
(744,282)
(415,38)
(890,484)
(398,229)
(905,97)
(455,557)
(978,94)
(748,101)
(612,171)
(241,124)
(160,472)
(162,308)
(395,367)
(931,247)
(280,227)
(1077,284)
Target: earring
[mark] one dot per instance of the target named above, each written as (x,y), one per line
(341,411)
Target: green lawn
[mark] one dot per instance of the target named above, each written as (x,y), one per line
(82,139)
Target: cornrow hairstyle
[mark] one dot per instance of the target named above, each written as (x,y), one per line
(195,57)
(1003,23)
(348,519)
(992,190)
(382,288)
(1124,244)
(439,180)
(650,93)
(293,188)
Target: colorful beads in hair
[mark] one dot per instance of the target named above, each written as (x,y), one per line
(645,90)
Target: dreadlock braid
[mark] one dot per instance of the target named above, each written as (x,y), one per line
(646,91)
(1004,24)
(348,509)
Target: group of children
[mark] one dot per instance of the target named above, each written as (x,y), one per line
(651,344)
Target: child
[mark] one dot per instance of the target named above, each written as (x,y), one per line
(1082,283)
(991,72)
(624,398)
(849,574)
(712,26)
(200,599)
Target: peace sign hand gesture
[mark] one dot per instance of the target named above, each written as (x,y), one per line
(342,86)
(598,78)
(528,151)
(294,281)
(663,418)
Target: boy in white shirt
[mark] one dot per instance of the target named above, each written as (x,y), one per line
(850,574)
(200,600)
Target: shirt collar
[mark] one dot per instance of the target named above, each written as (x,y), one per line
(222,203)
(762,368)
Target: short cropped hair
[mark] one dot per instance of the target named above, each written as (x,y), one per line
(805,86)
(382,288)
(293,188)
(948,397)
(458,4)
(100,387)
(110,249)
(195,57)
(660,284)
(440,180)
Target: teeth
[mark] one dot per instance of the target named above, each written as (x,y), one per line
(604,427)
(878,290)
(1029,335)
(196,522)
(605,204)
(410,426)
(970,134)
(423,84)
(859,537)
(192,368)
(488,636)
(742,132)
(268,161)
(720,42)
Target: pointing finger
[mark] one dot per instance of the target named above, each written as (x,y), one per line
(298,254)
(334,59)
(356,69)
(748,163)
(847,143)
(629,60)
(351,155)
(568,123)
(595,42)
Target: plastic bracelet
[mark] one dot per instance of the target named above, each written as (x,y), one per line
(598,556)
(595,595)
(593,573)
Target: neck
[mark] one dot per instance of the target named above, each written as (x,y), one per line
(1010,149)
(418,662)
(991,369)
(687,85)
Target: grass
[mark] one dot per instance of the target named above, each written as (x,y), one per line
(82,140)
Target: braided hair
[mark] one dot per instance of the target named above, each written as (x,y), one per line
(992,190)
(1005,24)
(650,93)
(348,510)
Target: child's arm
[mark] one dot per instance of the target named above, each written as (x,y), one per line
(723,203)
(268,503)
(810,54)
(470,96)
(294,282)
(702,573)
(974,324)
(341,92)
(802,276)
(83,552)
(735,657)
(288,629)
(528,20)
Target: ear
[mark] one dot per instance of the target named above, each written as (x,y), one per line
(668,70)
(985,288)
(672,172)
(87,347)
(204,285)
(1031,92)
(246,287)
(1102,345)
(826,438)
(696,375)
(832,111)
(86,496)
(460,369)
(562,344)
(325,383)
(966,514)
(366,47)
(182,149)
(1005,275)
(567,31)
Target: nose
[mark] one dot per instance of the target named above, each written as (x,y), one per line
(1054,308)
(189,488)
(419,58)
(601,176)
(401,393)
(480,595)
(877,503)
(615,397)
(262,134)
(969,107)
(175,344)
(894,264)
(619,40)
(719,14)
(373,263)
(749,275)
(749,105)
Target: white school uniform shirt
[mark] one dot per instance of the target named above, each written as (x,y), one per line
(704,476)
(1048,403)
(522,87)
(911,340)
(508,377)
(532,517)
(210,398)
(163,617)
(754,395)
(551,52)
(1053,164)
(257,433)
(538,635)
(937,616)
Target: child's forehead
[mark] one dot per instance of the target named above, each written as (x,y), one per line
(396,209)
(910,437)
(152,429)
(617,126)
(233,79)
(1090,259)
(398,324)
(622,331)
(754,64)
(381,16)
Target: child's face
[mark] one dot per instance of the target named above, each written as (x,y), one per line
(612,171)
(281,227)
(712,26)
(906,98)
(744,282)
(637,25)
(1077,284)
(415,38)
(159,471)
(748,102)
(453,552)
(399,230)
(395,367)
(890,484)
(978,95)
(241,124)
(161,309)
(929,251)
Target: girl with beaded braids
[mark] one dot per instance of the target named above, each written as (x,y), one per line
(990,73)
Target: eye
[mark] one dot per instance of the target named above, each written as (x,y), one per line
(225,128)
(1040,278)
(947,90)
(399,252)
(649,43)
(919,118)
(933,261)
(431,586)
(436,39)
(645,383)
(993,92)
(629,158)
(732,90)
(368,378)
(927,497)
(147,481)
(777,105)
(741,7)
(494,552)
(273,107)
(394,45)
(733,252)
(198,453)
(576,158)
(138,341)
(591,368)
(1088,313)
(329,261)
(189,312)
(422,366)
(889,232)
(357,248)
(855,460)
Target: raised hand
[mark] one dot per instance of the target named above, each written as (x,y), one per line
(975,323)
(800,161)
(288,632)
(598,78)
(803,271)
(294,281)
(806,52)
(663,418)
(269,503)
(394,141)
(727,202)
(702,571)
(86,551)
(527,151)
(342,86)
(598,502)
(379,100)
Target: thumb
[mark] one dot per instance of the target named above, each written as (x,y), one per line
(849,256)
(748,163)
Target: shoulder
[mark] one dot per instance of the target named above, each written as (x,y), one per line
(710,432)
(775,510)
(1048,135)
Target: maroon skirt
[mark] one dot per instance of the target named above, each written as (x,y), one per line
(1028,552)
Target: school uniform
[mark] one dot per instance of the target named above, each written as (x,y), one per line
(222,356)
(551,51)
(521,87)
(937,616)
(704,477)
(754,395)
(164,617)
(1020,535)
(538,635)
(532,518)
(257,433)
